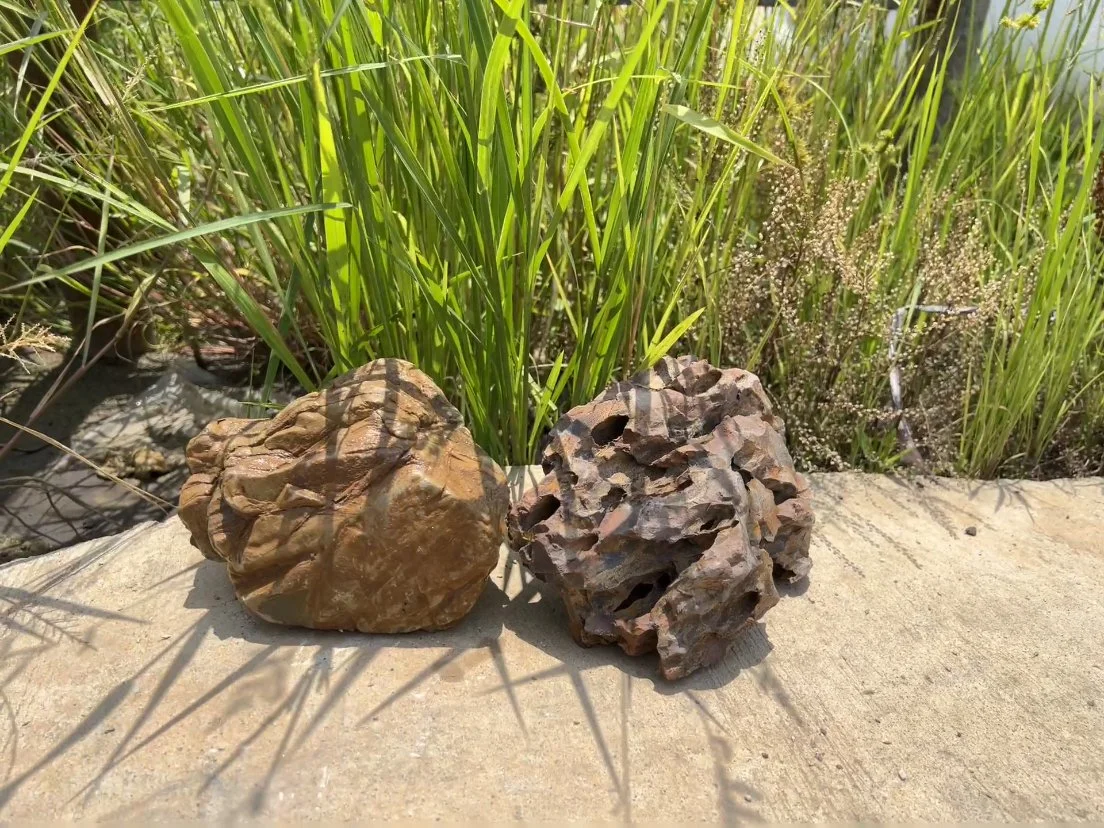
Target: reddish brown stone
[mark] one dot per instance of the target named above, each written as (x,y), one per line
(668,505)
(366,506)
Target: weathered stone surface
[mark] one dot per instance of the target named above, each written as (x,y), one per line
(366,506)
(667,506)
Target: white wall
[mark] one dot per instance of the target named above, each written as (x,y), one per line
(1052,35)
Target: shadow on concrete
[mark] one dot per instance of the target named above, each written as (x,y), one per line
(288,684)
(299,677)
(536,615)
(337,663)
(297,698)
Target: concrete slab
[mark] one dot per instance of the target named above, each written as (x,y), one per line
(922,674)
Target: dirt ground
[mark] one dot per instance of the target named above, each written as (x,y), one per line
(133,419)
(46,503)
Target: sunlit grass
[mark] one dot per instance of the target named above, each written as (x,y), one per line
(528,201)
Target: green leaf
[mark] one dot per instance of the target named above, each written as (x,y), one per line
(213,228)
(22,43)
(44,99)
(659,348)
(281,83)
(13,225)
(492,86)
(716,129)
(343,288)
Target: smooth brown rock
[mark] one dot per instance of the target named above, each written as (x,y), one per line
(668,505)
(366,506)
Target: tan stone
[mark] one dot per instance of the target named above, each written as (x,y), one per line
(366,506)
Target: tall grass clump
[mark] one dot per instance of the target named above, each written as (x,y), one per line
(503,178)
(528,200)
(78,177)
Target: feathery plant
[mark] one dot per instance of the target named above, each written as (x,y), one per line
(991,209)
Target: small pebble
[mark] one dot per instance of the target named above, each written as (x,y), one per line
(747,797)
(886,742)
(819,756)
(109,730)
(971,531)
(876,719)
(1092,703)
(902,775)
(765,755)
(824,731)
(958,733)
(839,766)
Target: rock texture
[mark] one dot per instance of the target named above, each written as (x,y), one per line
(667,506)
(366,506)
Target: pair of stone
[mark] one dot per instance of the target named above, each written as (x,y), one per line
(668,506)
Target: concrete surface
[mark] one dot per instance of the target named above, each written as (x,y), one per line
(922,674)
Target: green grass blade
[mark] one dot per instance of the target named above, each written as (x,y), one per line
(210,229)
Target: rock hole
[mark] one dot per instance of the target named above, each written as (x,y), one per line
(542,510)
(611,498)
(566,476)
(720,514)
(688,554)
(550,461)
(609,429)
(581,543)
(782,495)
(746,606)
(711,420)
(702,543)
(701,383)
(635,594)
(647,594)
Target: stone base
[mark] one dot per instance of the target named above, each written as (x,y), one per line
(925,674)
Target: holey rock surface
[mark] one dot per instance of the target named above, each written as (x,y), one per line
(667,506)
(366,506)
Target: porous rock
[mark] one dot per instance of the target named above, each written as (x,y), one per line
(367,506)
(667,507)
